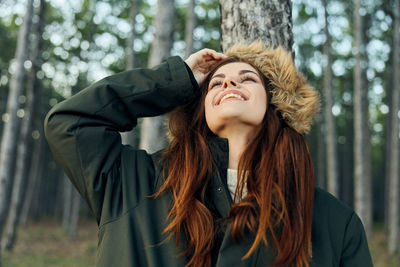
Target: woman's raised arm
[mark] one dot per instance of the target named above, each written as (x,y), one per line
(83,131)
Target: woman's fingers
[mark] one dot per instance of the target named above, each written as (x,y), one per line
(213,54)
(201,62)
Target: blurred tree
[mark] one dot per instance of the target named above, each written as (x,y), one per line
(75,208)
(367,146)
(9,35)
(361,194)
(191,21)
(67,201)
(152,136)
(71,207)
(130,137)
(8,141)
(25,138)
(393,215)
(35,179)
(330,131)
(130,51)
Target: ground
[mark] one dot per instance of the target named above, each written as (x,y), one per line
(46,244)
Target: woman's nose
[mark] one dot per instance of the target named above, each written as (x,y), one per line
(229,82)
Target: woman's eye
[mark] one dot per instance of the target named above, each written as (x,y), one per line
(215,84)
(248,79)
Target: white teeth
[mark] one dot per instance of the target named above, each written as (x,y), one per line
(231,95)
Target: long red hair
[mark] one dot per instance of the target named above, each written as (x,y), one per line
(279,181)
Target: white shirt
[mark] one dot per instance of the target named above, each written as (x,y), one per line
(232,183)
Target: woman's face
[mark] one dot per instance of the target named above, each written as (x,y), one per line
(235,94)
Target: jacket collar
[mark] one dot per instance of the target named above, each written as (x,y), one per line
(219,190)
(219,150)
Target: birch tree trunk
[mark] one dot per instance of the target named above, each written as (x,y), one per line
(71,207)
(152,136)
(330,135)
(67,198)
(129,138)
(393,211)
(35,172)
(361,195)
(191,21)
(388,150)
(321,151)
(268,20)
(25,143)
(8,141)
(368,223)
(130,51)
(368,220)
(75,207)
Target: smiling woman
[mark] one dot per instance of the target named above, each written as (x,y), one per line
(236,99)
(235,186)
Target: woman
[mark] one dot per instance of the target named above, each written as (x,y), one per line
(234,187)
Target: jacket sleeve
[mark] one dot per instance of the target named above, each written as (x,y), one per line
(83,131)
(355,248)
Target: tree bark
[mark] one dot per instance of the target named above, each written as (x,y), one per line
(8,141)
(130,51)
(388,149)
(191,21)
(321,150)
(130,138)
(25,143)
(330,135)
(366,148)
(35,170)
(393,212)
(75,207)
(270,21)
(360,176)
(68,188)
(152,136)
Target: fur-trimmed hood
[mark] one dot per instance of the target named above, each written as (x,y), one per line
(294,98)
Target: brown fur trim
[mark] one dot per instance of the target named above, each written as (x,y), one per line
(296,100)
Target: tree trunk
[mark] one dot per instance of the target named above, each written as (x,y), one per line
(270,21)
(75,207)
(152,136)
(191,21)
(366,148)
(35,170)
(25,143)
(393,214)
(388,149)
(71,207)
(331,153)
(130,51)
(321,150)
(68,188)
(38,172)
(8,141)
(360,175)
(129,138)
(347,179)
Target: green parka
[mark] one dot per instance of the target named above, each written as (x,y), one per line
(116,180)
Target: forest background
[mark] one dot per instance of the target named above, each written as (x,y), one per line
(349,51)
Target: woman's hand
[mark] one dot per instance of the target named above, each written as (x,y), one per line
(202,61)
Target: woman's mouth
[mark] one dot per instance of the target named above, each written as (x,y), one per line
(232,94)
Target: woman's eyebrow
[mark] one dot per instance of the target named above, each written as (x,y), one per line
(246,71)
(221,75)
